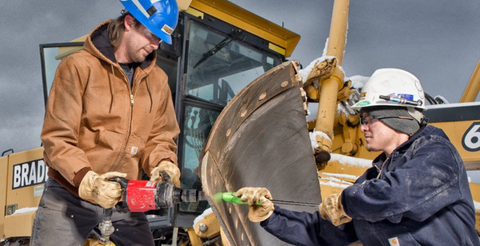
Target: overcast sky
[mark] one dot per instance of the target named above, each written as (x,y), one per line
(437,40)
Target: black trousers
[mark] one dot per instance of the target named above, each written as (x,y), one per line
(64,219)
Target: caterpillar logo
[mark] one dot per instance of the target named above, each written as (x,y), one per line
(29,173)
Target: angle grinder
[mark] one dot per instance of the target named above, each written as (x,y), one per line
(145,195)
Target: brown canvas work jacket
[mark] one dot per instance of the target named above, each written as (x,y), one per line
(96,120)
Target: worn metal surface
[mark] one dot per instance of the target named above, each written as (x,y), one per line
(260,140)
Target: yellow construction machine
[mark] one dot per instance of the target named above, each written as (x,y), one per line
(217,49)
(233,127)
(258,134)
(242,134)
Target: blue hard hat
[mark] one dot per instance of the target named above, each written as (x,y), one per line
(159,16)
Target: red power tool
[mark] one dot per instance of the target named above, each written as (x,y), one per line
(144,195)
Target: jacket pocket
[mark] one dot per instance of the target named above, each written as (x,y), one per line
(384,234)
(87,139)
(100,139)
(110,140)
(397,236)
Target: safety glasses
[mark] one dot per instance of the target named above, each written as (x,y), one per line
(150,36)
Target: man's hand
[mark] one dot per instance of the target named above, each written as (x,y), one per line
(168,167)
(253,195)
(332,208)
(98,188)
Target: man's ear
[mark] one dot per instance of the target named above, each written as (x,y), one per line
(129,22)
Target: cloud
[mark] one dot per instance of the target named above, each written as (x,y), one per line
(28,25)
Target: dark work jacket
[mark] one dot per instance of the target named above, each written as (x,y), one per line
(421,197)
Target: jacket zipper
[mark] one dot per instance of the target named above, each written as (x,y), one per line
(132,100)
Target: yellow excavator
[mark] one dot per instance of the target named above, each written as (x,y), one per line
(237,100)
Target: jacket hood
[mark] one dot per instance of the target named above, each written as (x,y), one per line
(424,131)
(98,44)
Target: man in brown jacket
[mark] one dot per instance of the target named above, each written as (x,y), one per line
(109,114)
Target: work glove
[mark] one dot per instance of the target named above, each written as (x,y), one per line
(332,208)
(169,168)
(253,195)
(99,189)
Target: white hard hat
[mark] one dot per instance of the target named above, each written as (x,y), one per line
(392,87)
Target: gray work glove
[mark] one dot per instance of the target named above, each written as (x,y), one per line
(99,189)
(253,195)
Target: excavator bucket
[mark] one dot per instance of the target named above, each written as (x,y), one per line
(261,140)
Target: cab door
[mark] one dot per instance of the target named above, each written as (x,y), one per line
(217,60)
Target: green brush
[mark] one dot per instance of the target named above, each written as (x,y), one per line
(230,197)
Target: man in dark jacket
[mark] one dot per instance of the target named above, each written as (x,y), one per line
(109,114)
(416,193)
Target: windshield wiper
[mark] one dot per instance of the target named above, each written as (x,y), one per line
(218,47)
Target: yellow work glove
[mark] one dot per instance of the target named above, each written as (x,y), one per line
(97,188)
(332,208)
(171,169)
(253,195)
